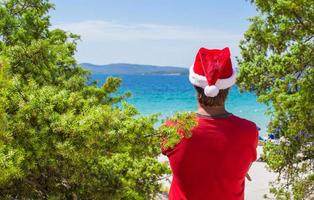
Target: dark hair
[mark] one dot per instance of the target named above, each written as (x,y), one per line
(206,101)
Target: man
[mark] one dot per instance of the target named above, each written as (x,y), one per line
(212,164)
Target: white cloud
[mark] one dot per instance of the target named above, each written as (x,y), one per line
(105,30)
(109,42)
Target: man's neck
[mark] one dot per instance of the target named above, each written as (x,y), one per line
(212,111)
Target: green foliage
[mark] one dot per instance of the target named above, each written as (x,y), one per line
(61,138)
(277,57)
(180,127)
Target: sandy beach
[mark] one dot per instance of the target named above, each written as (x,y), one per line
(255,189)
(261,177)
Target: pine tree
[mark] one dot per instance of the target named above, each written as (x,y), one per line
(61,138)
(277,59)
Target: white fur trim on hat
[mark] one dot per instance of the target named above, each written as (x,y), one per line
(201,81)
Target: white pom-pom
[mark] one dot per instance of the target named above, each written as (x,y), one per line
(211,91)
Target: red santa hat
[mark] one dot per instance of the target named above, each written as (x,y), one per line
(212,70)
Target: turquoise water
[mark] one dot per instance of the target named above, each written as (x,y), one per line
(170,94)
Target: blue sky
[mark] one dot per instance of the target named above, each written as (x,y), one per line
(157,32)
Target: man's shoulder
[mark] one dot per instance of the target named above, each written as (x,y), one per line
(245,123)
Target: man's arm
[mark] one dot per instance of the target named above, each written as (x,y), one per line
(248,177)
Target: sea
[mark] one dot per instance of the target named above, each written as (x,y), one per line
(168,94)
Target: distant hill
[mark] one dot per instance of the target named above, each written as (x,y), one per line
(134,69)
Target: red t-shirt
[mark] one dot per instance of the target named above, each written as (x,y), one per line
(212,164)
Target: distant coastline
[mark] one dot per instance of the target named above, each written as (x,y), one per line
(134,69)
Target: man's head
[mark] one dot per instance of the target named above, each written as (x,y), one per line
(207,102)
(212,75)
